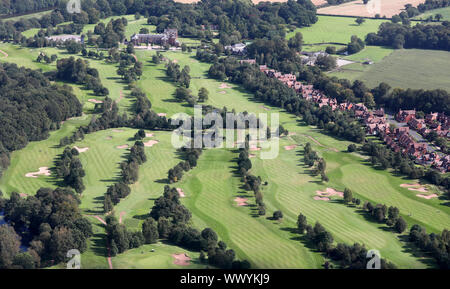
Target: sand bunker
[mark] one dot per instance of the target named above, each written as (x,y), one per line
(81,150)
(427,196)
(118,130)
(100,219)
(241,201)
(120,217)
(421,189)
(181,193)
(329,192)
(150,143)
(222,92)
(410,185)
(4,53)
(108,137)
(149,134)
(254,148)
(181,259)
(224,85)
(265,107)
(162,114)
(122,146)
(317,198)
(94,100)
(42,171)
(23,195)
(120,97)
(291,147)
(251,156)
(415,187)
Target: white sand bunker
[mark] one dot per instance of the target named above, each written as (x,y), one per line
(241,201)
(42,171)
(415,187)
(224,85)
(150,143)
(162,114)
(120,217)
(421,189)
(181,192)
(427,196)
(23,195)
(149,134)
(122,146)
(291,147)
(181,259)
(81,150)
(329,192)
(254,148)
(94,100)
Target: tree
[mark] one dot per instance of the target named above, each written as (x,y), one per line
(203,94)
(277,215)
(296,42)
(360,20)
(401,225)
(150,231)
(301,223)
(348,195)
(330,49)
(351,148)
(9,246)
(438,17)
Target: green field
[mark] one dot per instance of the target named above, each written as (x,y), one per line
(406,68)
(336,29)
(445,12)
(211,187)
(27,16)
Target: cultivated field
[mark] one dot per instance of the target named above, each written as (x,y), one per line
(386,8)
(336,29)
(406,68)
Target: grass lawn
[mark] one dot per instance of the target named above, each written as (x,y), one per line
(445,12)
(336,29)
(405,68)
(27,16)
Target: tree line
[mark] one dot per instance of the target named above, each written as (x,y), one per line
(418,36)
(68,167)
(251,182)
(311,159)
(129,174)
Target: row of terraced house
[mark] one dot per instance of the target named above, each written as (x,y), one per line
(398,139)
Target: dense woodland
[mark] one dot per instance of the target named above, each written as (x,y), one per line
(48,223)
(30,107)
